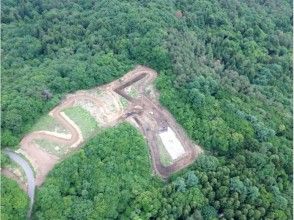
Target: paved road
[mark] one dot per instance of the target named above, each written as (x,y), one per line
(29,173)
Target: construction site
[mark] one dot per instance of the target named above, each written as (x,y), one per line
(131,98)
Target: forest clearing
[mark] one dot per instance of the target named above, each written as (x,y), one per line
(105,139)
(46,148)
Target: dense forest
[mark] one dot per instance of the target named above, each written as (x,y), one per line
(14,202)
(225,73)
(110,178)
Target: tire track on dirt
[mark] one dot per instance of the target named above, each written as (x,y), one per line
(29,175)
(138,108)
(47,161)
(150,125)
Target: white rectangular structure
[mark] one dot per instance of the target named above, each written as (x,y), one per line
(171,143)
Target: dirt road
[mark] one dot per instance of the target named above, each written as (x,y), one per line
(108,108)
(151,119)
(144,110)
(43,162)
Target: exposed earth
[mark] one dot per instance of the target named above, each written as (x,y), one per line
(131,98)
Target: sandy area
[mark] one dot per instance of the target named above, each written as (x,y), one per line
(172,143)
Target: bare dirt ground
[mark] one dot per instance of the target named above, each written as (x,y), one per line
(151,118)
(43,161)
(104,104)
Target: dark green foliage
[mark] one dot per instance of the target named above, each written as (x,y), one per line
(180,184)
(218,89)
(207,163)
(5,160)
(100,180)
(111,177)
(192,179)
(196,216)
(61,47)
(14,201)
(208,213)
(225,74)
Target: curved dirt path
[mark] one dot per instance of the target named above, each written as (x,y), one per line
(44,162)
(11,175)
(149,124)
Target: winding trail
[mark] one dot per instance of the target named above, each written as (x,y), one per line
(149,125)
(29,174)
(42,159)
(139,109)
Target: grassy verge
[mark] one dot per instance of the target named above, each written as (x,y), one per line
(49,124)
(52,148)
(84,120)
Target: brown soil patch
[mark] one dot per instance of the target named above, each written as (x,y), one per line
(107,109)
(152,118)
